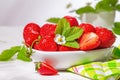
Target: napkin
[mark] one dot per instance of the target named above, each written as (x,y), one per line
(99,70)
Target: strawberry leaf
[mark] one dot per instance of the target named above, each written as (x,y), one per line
(111,2)
(59,28)
(86,9)
(72,44)
(75,33)
(62,27)
(23,54)
(118,7)
(103,6)
(53,20)
(116,52)
(66,27)
(9,53)
(116,28)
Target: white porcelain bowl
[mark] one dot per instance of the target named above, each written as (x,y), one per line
(65,59)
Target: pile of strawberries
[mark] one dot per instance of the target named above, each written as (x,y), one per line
(43,37)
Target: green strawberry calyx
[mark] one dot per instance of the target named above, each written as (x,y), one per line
(37,65)
(66,35)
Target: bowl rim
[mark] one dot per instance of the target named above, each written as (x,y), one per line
(79,51)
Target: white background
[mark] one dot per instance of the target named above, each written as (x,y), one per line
(21,12)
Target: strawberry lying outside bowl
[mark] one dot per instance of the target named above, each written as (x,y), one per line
(66,43)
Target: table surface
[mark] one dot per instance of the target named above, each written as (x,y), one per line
(19,70)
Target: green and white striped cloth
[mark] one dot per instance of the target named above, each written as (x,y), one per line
(99,70)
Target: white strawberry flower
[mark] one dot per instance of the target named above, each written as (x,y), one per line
(59,39)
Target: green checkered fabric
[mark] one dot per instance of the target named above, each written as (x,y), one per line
(99,70)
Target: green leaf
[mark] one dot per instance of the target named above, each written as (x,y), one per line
(66,27)
(9,53)
(119,47)
(111,2)
(116,52)
(86,9)
(116,28)
(75,33)
(118,7)
(22,55)
(53,20)
(59,28)
(103,6)
(16,48)
(72,44)
(62,27)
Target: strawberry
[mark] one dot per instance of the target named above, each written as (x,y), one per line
(31,33)
(72,20)
(48,29)
(106,36)
(89,41)
(46,44)
(87,27)
(45,69)
(65,48)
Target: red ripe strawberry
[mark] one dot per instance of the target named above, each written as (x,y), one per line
(87,27)
(31,33)
(45,69)
(72,20)
(48,29)
(89,41)
(65,48)
(106,36)
(46,44)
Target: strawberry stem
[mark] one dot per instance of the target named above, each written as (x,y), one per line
(37,65)
(30,48)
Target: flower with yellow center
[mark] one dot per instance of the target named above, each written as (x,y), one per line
(59,39)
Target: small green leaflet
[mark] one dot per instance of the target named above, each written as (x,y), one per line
(116,28)
(74,33)
(53,20)
(9,53)
(73,44)
(86,9)
(23,54)
(116,52)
